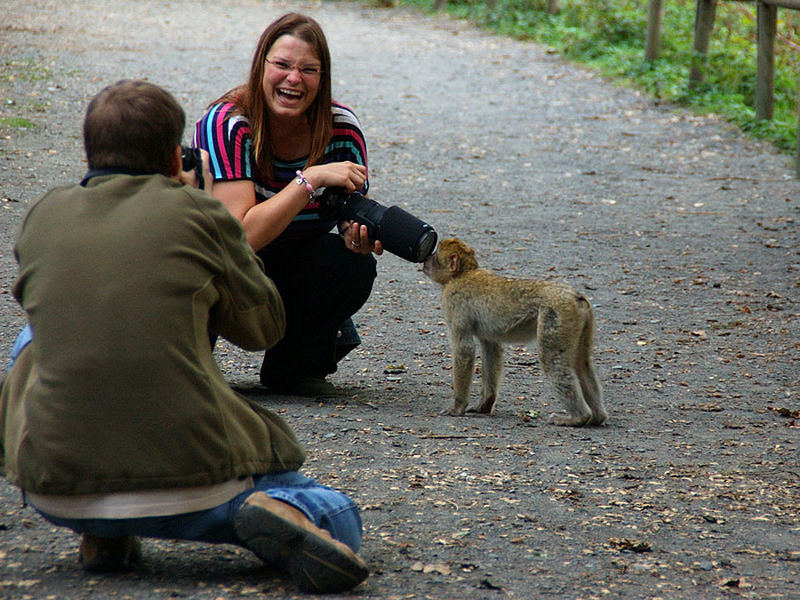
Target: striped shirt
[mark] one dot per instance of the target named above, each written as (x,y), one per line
(229,142)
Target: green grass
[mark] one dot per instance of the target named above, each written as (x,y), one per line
(16,123)
(26,70)
(609,35)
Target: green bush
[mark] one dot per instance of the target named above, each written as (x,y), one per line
(610,35)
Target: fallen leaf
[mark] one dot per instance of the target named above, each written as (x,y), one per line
(629,545)
(785,412)
(440,568)
(485,583)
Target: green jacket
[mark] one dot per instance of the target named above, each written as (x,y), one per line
(122,281)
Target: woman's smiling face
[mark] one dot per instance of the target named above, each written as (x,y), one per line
(290,81)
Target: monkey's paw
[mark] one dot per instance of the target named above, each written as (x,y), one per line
(453,412)
(568,420)
(598,420)
(480,410)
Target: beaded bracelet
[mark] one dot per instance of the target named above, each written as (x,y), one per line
(301,179)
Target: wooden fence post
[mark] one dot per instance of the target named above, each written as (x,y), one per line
(655,18)
(703,26)
(439,4)
(765,65)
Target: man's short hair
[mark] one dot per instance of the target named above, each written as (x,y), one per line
(133,126)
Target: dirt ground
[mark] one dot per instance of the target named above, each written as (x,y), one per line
(682,232)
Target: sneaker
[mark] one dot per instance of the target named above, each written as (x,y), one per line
(107,555)
(282,536)
(312,387)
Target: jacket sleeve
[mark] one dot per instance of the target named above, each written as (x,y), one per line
(249,312)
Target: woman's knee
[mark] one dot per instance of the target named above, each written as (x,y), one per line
(365,271)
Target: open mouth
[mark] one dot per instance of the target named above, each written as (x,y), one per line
(290,94)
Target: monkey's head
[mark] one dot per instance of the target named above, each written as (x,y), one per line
(451,258)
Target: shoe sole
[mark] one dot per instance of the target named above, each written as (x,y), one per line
(314,563)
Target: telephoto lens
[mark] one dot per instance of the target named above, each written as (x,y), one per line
(400,232)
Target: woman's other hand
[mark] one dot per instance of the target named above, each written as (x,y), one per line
(356,239)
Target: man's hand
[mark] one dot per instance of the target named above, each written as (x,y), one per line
(190,177)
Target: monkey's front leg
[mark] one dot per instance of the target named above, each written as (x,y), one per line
(492,373)
(463,365)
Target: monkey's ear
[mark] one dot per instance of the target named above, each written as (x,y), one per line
(453,266)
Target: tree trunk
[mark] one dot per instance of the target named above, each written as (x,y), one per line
(655,18)
(765,68)
(703,26)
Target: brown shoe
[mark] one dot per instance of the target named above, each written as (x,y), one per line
(107,555)
(282,536)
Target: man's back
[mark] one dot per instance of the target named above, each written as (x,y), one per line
(119,279)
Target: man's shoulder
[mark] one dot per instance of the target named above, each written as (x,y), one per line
(52,198)
(210,207)
(155,194)
(56,194)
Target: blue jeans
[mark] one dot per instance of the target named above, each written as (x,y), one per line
(23,339)
(325,507)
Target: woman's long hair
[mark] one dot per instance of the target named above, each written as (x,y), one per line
(249,98)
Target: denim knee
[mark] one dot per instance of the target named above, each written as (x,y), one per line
(326,507)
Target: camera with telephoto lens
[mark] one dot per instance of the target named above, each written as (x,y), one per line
(191,159)
(400,232)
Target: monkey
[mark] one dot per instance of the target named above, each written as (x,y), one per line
(494,309)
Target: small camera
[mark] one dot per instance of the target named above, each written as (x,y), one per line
(400,232)
(191,159)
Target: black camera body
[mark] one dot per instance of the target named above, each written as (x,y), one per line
(399,232)
(191,159)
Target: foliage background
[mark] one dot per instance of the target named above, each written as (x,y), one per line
(610,35)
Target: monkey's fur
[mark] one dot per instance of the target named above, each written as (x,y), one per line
(494,309)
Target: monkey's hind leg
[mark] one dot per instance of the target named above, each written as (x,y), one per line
(584,365)
(492,363)
(592,391)
(558,351)
(567,387)
(463,365)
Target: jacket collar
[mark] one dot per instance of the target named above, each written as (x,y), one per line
(100,172)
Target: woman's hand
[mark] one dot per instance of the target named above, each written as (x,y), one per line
(265,221)
(348,175)
(356,239)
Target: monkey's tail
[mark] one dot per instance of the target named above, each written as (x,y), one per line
(587,333)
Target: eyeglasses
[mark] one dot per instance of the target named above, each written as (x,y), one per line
(283,66)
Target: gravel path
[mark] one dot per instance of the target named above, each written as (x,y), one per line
(683,233)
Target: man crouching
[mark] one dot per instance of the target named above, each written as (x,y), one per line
(116,421)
